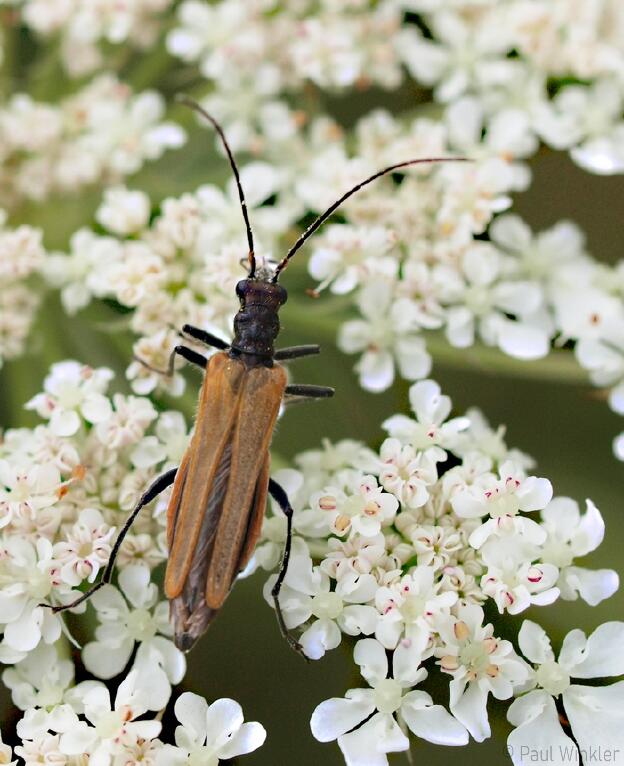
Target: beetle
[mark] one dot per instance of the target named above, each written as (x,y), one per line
(221,486)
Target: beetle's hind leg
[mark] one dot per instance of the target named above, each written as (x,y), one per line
(158,486)
(278,493)
(186,353)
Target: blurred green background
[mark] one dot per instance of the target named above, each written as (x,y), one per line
(550,411)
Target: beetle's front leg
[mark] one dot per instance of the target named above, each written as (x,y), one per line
(205,337)
(278,493)
(186,353)
(158,486)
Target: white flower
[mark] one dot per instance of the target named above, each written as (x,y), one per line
(551,256)
(503,498)
(158,664)
(595,714)
(27,578)
(406,473)
(347,255)
(572,535)
(364,511)
(306,595)
(40,679)
(85,549)
(515,577)
(127,422)
(209,733)
(589,313)
(387,332)
(461,56)
(429,432)
(25,492)
(479,664)
(375,709)
(72,390)
(123,211)
(409,610)
(485,303)
(111,726)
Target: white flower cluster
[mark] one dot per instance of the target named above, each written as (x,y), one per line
(180,267)
(253,52)
(21,258)
(69,724)
(553,69)
(401,548)
(100,134)
(404,548)
(83,25)
(65,488)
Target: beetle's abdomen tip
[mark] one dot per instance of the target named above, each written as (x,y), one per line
(185,641)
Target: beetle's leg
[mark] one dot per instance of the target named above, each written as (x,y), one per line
(207,338)
(309,391)
(278,493)
(186,353)
(158,486)
(294,352)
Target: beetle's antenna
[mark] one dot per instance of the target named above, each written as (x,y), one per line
(332,208)
(241,194)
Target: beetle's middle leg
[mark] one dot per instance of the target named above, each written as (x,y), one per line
(309,391)
(158,486)
(296,352)
(278,493)
(186,353)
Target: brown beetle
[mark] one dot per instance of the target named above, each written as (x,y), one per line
(220,489)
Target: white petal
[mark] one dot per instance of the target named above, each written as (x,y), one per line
(371,657)
(191,709)
(408,656)
(541,739)
(431,722)
(105,661)
(225,716)
(368,745)
(511,232)
(135,583)
(602,654)
(592,527)
(534,643)
(523,341)
(534,494)
(471,710)
(596,715)
(319,638)
(64,422)
(96,408)
(248,738)
(376,369)
(336,716)
(593,586)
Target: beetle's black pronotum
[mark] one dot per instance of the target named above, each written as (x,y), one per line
(220,488)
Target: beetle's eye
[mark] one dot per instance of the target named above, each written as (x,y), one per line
(241,288)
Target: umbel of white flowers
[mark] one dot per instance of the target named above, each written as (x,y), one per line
(392,548)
